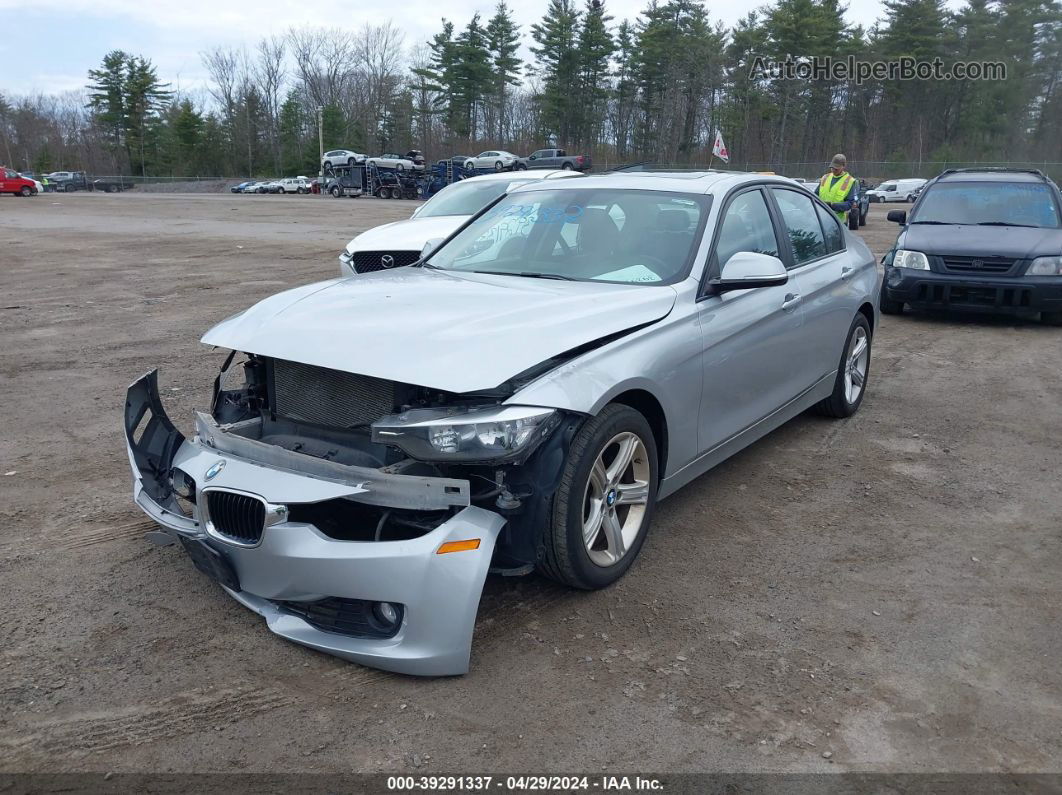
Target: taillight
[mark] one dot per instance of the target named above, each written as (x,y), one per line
(579,160)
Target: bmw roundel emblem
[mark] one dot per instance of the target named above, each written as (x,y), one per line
(215,468)
(387,261)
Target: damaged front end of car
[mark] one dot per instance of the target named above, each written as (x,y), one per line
(359,516)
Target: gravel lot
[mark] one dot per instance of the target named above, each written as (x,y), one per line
(879,594)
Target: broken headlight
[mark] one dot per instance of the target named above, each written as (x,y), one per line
(496,433)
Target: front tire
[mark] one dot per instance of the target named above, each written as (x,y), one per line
(853,220)
(604,504)
(853,372)
(26,191)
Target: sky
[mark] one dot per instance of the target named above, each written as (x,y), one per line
(49,45)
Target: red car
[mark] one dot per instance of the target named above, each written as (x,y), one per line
(11,182)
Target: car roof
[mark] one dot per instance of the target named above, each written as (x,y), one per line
(526,176)
(991,175)
(695,182)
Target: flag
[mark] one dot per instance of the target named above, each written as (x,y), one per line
(719,148)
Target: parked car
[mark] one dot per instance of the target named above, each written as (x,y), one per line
(14,183)
(573,355)
(37,185)
(240,188)
(553,158)
(341,157)
(394,161)
(400,243)
(857,216)
(67,181)
(498,160)
(896,190)
(985,240)
(294,185)
(258,187)
(417,157)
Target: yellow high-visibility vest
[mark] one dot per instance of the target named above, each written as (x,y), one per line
(837,192)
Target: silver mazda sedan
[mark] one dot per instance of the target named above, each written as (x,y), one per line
(519,399)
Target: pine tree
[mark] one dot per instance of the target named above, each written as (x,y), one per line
(557,61)
(596,47)
(472,77)
(503,42)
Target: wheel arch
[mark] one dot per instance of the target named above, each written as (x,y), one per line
(867,310)
(646,404)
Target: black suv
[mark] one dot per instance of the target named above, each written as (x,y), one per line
(987,240)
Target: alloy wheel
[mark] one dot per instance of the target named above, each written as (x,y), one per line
(856,364)
(616,499)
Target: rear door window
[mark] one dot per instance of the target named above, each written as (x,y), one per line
(802,224)
(831,229)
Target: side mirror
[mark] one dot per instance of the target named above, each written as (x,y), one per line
(748,269)
(430,246)
(897,216)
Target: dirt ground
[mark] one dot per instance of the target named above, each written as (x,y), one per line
(881,593)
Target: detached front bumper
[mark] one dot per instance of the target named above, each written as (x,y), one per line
(1005,295)
(293,565)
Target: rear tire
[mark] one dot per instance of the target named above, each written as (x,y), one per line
(1051,318)
(853,373)
(590,499)
(567,167)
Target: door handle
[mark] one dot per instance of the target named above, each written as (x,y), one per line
(846,272)
(790,302)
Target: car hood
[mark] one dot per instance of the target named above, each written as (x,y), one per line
(453,332)
(1015,242)
(408,235)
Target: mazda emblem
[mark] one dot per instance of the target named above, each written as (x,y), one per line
(387,261)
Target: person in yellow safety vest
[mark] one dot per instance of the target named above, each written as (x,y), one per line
(838,188)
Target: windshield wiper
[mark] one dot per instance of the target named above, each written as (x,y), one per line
(1005,223)
(529,275)
(937,223)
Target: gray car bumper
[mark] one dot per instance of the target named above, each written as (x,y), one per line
(295,562)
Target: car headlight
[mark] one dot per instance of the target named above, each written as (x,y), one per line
(915,260)
(1045,266)
(495,433)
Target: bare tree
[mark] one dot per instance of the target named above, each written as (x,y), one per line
(269,74)
(323,59)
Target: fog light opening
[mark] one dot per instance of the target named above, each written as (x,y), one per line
(386,613)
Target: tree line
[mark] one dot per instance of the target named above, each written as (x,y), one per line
(654,88)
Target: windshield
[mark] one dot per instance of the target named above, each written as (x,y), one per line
(990,203)
(622,236)
(466,197)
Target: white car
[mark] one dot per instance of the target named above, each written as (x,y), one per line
(498,160)
(393,160)
(401,243)
(341,157)
(293,185)
(896,190)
